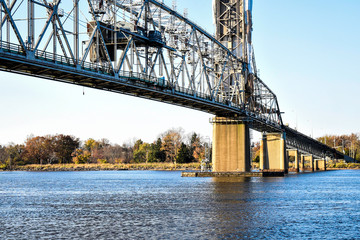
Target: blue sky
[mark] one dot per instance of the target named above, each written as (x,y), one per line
(307,52)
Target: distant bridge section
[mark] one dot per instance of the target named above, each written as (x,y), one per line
(308,145)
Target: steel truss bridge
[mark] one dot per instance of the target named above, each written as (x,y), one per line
(145,49)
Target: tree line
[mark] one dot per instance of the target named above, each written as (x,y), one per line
(171,146)
(347,144)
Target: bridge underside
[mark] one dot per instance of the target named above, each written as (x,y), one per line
(133,84)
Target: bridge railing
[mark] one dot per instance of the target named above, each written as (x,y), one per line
(11,47)
(39,54)
(47,56)
(141,77)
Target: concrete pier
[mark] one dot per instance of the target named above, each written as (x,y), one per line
(302,163)
(310,159)
(320,165)
(295,153)
(273,155)
(231,145)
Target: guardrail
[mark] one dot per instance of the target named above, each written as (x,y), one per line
(12,48)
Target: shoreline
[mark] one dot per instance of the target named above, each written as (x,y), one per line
(105,167)
(119,167)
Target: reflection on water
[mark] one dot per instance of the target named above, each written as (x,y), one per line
(162,205)
(234,207)
(231,179)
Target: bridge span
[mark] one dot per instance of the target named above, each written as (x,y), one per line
(147,49)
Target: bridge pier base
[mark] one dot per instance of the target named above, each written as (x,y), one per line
(231,145)
(294,153)
(302,164)
(273,155)
(310,159)
(320,165)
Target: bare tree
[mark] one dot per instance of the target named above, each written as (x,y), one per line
(171,142)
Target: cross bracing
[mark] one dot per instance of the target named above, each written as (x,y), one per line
(140,42)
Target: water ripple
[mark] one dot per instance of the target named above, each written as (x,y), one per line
(162,205)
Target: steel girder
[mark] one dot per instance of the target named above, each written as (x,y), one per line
(141,38)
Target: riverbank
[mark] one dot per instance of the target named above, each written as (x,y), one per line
(342,165)
(335,166)
(106,166)
(137,166)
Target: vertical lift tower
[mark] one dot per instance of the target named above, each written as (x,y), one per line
(231,137)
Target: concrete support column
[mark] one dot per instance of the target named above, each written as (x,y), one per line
(316,162)
(231,145)
(321,165)
(273,155)
(295,153)
(264,164)
(310,158)
(312,163)
(302,165)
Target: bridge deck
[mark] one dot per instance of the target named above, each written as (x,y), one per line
(43,65)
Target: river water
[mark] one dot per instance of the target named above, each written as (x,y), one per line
(163,205)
